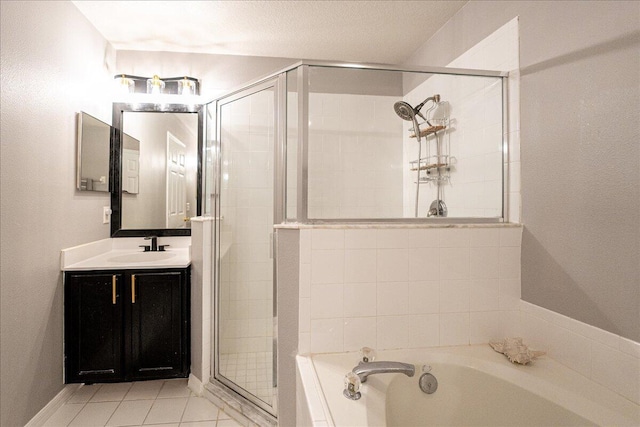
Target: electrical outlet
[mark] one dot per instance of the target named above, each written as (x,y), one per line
(106,215)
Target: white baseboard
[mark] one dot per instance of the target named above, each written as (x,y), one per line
(45,413)
(195,385)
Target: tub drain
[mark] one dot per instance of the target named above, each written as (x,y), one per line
(428,383)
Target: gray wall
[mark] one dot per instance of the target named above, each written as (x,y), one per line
(579,101)
(54,64)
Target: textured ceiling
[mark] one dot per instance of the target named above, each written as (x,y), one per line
(349,30)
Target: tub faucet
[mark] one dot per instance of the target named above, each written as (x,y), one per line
(359,374)
(364,369)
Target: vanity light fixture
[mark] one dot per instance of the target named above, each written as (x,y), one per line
(128,84)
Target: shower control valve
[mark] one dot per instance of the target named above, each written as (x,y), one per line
(352,386)
(367,354)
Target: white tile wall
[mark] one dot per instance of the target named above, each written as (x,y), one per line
(606,358)
(246,209)
(444,307)
(476,136)
(347,178)
(397,288)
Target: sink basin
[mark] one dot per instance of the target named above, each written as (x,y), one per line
(140,257)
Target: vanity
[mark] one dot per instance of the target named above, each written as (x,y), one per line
(126,311)
(127,308)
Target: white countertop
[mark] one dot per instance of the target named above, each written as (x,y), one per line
(125,253)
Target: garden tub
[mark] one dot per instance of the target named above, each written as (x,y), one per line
(476,387)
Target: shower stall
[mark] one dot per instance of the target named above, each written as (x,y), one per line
(324,142)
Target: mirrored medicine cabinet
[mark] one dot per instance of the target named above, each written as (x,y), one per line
(92,169)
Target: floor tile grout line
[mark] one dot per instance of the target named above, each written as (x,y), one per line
(185,408)
(115,410)
(122,401)
(84,404)
(149,410)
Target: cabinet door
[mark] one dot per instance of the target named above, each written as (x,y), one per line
(159,324)
(93,327)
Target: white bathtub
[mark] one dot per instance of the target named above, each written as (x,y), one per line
(477,387)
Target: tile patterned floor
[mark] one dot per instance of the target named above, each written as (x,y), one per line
(162,403)
(251,371)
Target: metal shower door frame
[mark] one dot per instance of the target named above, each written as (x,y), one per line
(278,84)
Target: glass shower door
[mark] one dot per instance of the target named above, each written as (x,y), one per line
(244,332)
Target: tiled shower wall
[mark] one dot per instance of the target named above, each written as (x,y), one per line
(407,287)
(476,138)
(246,267)
(471,190)
(355,157)
(357,163)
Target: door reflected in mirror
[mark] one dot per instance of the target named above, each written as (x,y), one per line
(159,170)
(130,164)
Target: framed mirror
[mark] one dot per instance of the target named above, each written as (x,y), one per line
(93,154)
(156,169)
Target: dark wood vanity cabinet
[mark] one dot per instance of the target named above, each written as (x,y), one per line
(158,325)
(126,325)
(94,332)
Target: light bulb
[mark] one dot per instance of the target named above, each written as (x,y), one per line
(124,85)
(186,87)
(155,85)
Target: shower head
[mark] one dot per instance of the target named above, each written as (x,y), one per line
(408,113)
(405,111)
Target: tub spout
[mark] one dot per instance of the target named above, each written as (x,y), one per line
(364,369)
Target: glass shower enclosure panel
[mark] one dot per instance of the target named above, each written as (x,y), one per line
(244,357)
(356,156)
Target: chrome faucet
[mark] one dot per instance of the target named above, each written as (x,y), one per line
(364,369)
(360,373)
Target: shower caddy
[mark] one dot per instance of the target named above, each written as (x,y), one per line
(437,163)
